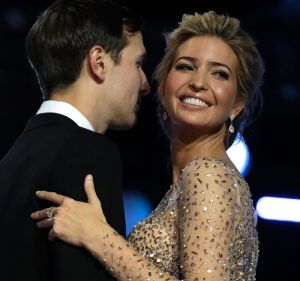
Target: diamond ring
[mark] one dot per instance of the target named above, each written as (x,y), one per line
(50,212)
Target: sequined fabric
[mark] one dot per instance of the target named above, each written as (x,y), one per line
(204,228)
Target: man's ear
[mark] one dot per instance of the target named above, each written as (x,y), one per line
(97,63)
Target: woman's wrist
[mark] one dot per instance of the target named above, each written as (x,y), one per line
(95,242)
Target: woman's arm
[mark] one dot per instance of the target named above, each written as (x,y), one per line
(83,224)
(206,220)
(205,229)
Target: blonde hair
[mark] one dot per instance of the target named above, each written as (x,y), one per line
(250,67)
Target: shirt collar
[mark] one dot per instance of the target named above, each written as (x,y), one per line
(66,109)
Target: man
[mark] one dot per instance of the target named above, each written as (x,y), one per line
(87,55)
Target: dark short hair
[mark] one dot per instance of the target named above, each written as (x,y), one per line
(63,34)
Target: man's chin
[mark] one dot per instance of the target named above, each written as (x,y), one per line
(122,126)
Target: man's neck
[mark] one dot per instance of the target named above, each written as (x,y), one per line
(85,105)
(66,110)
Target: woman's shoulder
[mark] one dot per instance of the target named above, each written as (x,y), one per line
(208,164)
(203,170)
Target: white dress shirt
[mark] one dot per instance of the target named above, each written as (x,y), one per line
(66,109)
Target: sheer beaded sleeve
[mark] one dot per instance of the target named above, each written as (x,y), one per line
(204,227)
(206,220)
(122,260)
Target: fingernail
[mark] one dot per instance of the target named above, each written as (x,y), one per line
(89,177)
(38,192)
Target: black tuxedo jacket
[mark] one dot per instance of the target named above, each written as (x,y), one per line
(55,154)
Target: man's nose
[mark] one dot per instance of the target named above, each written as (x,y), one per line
(145,88)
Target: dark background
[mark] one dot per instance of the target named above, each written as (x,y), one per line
(272,139)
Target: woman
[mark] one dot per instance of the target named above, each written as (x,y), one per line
(204,228)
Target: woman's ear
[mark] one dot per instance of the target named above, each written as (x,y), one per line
(162,100)
(161,92)
(237,108)
(97,63)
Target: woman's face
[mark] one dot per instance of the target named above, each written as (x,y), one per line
(201,87)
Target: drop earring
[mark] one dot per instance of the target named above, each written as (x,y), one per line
(165,116)
(231,128)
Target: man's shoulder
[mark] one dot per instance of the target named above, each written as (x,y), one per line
(50,122)
(54,126)
(55,136)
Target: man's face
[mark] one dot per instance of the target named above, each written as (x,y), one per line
(127,82)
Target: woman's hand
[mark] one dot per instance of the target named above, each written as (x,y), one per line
(73,221)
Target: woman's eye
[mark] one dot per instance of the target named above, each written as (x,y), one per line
(139,64)
(221,75)
(184,66)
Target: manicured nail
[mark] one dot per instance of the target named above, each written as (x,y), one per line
(89,177)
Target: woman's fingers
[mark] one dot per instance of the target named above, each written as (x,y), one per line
(45,213)
(51,235)
(91,194)
(46,223)
(72,219)
(90,190)
(51,196)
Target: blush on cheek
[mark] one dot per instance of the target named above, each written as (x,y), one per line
(225,94)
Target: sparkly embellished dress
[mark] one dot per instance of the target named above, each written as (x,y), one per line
(204,228)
